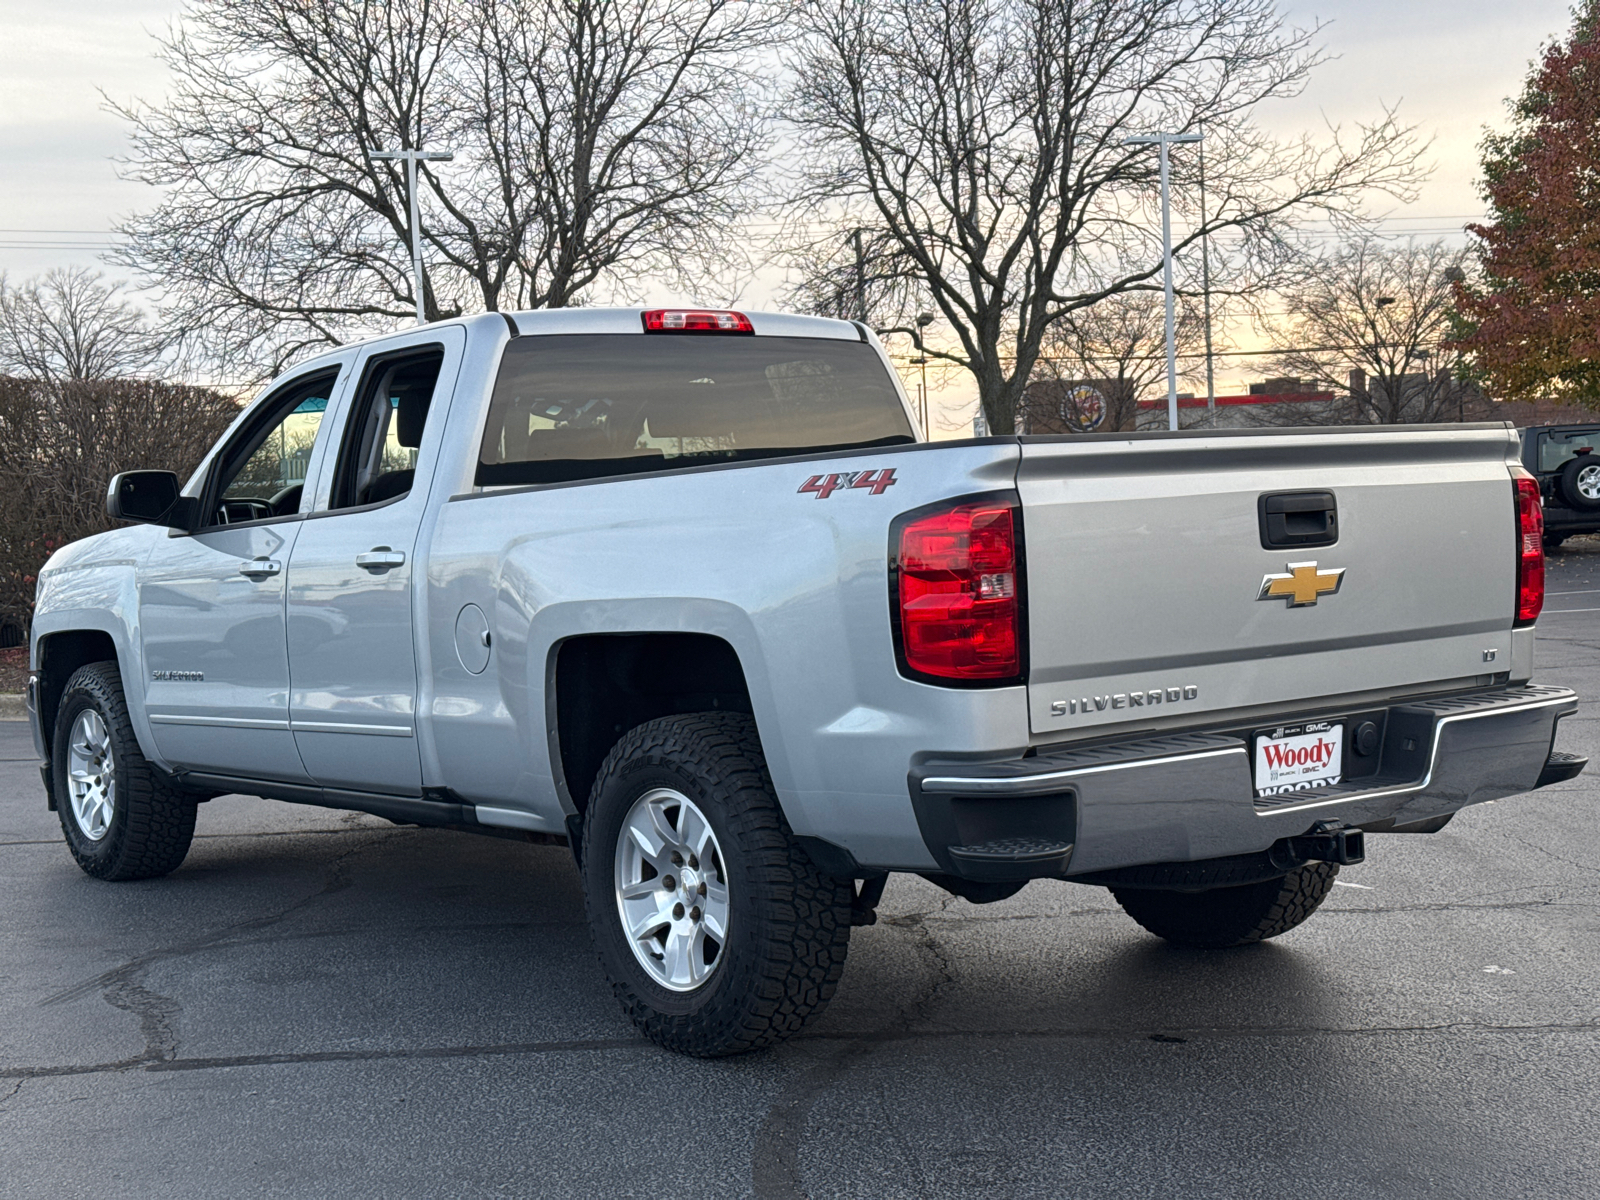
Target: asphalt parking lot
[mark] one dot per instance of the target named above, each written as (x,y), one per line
(322,1004)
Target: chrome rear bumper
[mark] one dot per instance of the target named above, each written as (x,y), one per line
(1189,797)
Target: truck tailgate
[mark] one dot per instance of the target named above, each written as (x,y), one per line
(1145,568)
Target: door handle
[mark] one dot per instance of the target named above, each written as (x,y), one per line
(380,558)
(260,568)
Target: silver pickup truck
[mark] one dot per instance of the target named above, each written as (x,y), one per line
(684,590)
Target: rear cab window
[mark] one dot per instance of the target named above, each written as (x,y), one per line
(585,406)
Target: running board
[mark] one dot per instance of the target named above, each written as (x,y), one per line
(436,808)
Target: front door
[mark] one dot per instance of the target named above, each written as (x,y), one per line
(352,665)
(211,603)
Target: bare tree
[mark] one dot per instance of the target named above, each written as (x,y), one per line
(1116,352)
(853,274)
(985,137)
(70,324)
(594,140)
(1371,322)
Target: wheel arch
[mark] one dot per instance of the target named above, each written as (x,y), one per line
(59,655)
(65,641)
(601,685)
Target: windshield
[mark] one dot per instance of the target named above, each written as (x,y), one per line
(581,406)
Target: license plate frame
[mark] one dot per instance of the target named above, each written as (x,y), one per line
(1309,756)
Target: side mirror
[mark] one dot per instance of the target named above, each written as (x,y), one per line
(150,497)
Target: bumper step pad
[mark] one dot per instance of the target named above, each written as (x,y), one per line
(1013,858)
(1561,767)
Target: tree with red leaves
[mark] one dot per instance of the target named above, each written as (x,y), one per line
(1532,321)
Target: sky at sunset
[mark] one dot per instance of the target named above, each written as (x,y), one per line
(1449,66)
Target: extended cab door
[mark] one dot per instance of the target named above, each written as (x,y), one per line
(352,664)
(211,603)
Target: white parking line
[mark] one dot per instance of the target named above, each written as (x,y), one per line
(1567,610)
(1575,592)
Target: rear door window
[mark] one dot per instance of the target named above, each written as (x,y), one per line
(584,406)
(384,433)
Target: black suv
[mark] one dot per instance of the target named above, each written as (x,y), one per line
(1567,462)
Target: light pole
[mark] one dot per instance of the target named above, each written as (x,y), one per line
(1205,285)
(411,158)
(1164,140)
(923,321)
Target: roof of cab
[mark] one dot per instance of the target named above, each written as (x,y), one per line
(628,320)
(609,320)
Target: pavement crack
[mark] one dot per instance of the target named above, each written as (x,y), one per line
(157,1014)
(337,880)
(401,1054)
(853,1042)
(775,1171)
(1445,906)
(1588,868)
(123,987)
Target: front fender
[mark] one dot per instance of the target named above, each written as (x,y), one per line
(92,587)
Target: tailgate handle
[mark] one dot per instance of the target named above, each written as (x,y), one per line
(1298,520)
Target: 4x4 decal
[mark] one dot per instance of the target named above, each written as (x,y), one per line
(825,485)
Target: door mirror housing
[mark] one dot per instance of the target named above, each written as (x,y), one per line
(149,497)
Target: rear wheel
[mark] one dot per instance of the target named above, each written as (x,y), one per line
(121,818)
(715,929)
(1231,916)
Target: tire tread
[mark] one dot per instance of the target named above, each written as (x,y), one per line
(798,950)
(1234,916)
(154,821)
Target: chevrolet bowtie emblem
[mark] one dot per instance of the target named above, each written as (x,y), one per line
(1302,584)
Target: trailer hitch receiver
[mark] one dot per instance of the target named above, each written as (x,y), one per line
(1331,841)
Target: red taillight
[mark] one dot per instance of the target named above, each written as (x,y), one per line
(696,320)
(958,592)
(1530,546)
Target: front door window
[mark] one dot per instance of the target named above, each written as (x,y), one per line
(264,475)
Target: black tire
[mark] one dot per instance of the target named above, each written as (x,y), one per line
(1581,475)
(1231,916)
(789,924)
(152,821)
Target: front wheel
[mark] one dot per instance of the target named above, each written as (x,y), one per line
(1230,916)
(715,929)
(121,818)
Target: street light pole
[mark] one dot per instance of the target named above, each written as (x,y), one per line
(411,158)
(923,321)
(1205,285)
(1164,140)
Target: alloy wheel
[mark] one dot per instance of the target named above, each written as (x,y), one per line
(91,775)
(672,890)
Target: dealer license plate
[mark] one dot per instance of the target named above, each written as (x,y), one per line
(1295,757)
